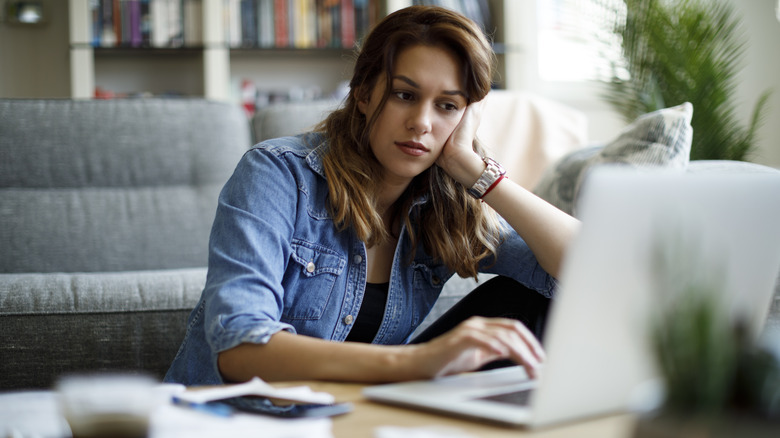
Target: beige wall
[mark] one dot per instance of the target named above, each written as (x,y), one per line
(34,60)
(762,72)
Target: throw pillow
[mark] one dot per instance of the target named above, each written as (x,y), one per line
(659,138)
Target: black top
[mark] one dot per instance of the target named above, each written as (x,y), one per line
(372,310)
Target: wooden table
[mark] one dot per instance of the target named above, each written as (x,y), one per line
(367,416)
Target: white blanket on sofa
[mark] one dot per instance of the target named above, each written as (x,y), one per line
(527,132)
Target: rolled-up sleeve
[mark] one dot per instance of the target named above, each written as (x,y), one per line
(249,250)
(516,260)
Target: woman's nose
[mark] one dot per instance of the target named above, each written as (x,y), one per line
(419,120)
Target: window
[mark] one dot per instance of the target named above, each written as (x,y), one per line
(576,42)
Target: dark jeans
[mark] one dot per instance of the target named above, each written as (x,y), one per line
(497,297)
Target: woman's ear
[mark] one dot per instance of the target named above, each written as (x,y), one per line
(363,96)
(362,102)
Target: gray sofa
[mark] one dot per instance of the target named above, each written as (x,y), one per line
(105,211)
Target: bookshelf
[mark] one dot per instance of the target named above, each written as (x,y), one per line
(215,63)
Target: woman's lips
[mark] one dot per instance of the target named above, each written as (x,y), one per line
(412,148)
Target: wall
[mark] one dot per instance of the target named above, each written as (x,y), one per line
(762,72)
(35,60)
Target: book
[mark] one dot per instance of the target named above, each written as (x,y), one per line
(282,33)
(107,35)
(175,23)
(303,19)
(193,23)
(116,19)
(347,23)
(96,15)
(159,23)
(265,23)
(248,23)
(146,25)
(134,22)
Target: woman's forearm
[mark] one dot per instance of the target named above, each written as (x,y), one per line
(289,356)
(467,347)
(547,230)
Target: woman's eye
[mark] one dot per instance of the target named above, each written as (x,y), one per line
(403,95)
(448,106)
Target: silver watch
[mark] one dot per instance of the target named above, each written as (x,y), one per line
(492,173)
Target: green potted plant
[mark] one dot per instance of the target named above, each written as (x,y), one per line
(686,51)
(718,380)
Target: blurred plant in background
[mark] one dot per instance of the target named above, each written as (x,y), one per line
(717,377)
(686,51)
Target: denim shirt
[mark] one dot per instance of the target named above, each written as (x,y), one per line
(278,262)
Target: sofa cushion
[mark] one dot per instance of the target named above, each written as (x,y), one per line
(119,143)
(659,138)
(89,185)
(105,229)
(90,322)
(289,118)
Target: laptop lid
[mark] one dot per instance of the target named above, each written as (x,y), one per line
(644,235)
(725,227)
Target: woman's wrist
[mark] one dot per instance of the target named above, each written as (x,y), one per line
(406,364)
(466,170)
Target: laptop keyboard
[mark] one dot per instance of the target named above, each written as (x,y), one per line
(519,398)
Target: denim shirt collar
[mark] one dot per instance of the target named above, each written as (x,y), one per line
(315,157)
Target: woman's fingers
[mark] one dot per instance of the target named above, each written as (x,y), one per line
(527,336)
(471,118)
(464,134)
(521,345)
(458,156)
(478,341)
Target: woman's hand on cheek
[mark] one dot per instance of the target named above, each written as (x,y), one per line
(458,158)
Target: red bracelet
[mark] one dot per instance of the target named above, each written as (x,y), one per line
(492,186)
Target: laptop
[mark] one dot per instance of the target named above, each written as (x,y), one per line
(641,232)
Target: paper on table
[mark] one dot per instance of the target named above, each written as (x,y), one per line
(31,413)
(257,387)
(37,413)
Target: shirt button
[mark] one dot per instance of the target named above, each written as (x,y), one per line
(310,267)
(357,259)
(436,280)
(348,319)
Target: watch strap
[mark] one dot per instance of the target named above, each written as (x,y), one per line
(490,176)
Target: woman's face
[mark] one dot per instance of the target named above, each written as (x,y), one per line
(424,106)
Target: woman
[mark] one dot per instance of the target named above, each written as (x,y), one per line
(349,233)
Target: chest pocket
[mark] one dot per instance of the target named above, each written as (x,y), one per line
(309,280)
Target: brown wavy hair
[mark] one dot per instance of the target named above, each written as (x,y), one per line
(452,226)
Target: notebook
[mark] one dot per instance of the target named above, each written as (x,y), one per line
(641,232)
